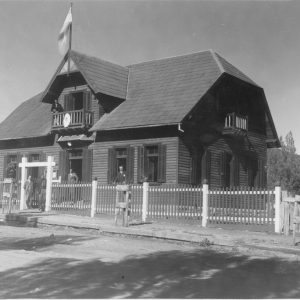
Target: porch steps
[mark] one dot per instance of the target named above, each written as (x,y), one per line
(27,218)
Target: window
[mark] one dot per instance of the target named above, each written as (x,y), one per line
(11,167)
(34,157)
(120,156)
(77,101)
(152,163)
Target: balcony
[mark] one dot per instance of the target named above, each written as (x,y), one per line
(75,120)
(235,125)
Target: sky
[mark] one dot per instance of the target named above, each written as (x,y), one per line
(261,38)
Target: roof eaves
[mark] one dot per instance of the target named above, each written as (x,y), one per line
(136,126)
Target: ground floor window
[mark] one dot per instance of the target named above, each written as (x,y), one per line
(117,157)
(152,163)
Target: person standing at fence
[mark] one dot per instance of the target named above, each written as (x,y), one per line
(72,180)
(42,192)
(121,176)
(28,187)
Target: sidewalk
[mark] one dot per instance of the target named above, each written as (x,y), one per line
(186,232)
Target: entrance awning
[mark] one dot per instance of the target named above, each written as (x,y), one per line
(71,141)
(73,138)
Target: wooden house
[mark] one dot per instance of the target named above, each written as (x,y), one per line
(175,120)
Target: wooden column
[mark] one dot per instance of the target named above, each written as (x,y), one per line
(50,163)
(22,165)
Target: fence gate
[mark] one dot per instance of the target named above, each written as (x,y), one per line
(10,192)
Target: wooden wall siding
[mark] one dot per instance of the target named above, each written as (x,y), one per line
(259,148)
(184,163)
(100,156)
(258,142)
(52,150)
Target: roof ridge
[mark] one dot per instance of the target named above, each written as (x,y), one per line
(165,58)
(215,57)
(97,58)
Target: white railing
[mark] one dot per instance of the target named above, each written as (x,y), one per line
(74,118)
(233,120)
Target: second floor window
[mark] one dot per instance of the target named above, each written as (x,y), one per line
(77,101)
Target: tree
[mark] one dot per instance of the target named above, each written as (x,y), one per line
(283,165)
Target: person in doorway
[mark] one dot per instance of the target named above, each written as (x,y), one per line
(28,187)
(121,176)
(72,179)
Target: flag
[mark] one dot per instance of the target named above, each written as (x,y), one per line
(65,34)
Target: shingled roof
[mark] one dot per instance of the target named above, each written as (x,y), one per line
(31,119)
(157,92)
(102,76)
(163,91)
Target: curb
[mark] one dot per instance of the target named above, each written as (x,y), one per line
(204,240)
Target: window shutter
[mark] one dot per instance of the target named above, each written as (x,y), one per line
(141,164)
(68,102)
(87,99)
(43,156)
(252,172)
(222,169)
(261,177)
(194,166)
(4,166)
(206,162)
(87,165)
(162,150)
(235,172)
(130,165)
(64,165)
(19,159)
(111,166)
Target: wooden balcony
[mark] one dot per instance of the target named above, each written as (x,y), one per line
(235,125)
(75,120)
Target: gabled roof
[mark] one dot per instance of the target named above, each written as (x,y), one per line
(102,76)
(31,119)
(158,92)
(164,91)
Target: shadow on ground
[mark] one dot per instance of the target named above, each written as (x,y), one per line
(35,244)
(173,274)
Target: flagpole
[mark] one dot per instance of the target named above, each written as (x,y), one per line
(70,39)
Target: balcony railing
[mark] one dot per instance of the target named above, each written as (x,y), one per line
(72,119)
(235,122)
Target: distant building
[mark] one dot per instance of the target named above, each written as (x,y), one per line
(175,120)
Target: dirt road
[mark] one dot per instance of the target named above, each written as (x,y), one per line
(53,263)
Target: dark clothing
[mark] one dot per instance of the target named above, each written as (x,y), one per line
(56,108)
(41,188)
(121,178)
(28,186)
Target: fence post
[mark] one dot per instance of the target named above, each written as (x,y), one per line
(23,178)
(94,197)
(205,203)
(145,201)
(277,207)
(49,183)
